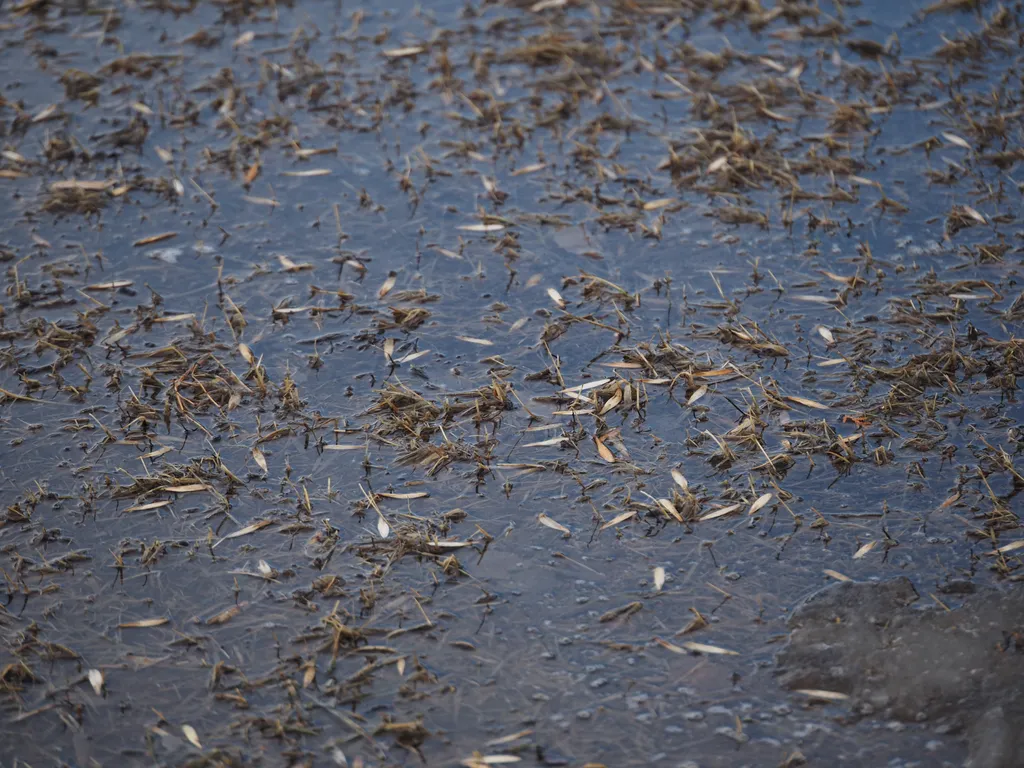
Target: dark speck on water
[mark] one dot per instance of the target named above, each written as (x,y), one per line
(552,382)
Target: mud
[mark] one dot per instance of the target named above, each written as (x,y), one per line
(958,668)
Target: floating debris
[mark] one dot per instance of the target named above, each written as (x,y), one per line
(310,311)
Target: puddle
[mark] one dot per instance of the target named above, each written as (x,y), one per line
(480,383)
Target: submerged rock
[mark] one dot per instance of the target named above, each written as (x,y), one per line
(961,669)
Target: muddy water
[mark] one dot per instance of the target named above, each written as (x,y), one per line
(788,235)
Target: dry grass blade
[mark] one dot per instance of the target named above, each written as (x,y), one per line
(711,650)
(814,693)
(533,168)
(15,397)
(113,285)
(481,761)
(155,239)
(671,646)
(149,506)
(482,227)
(259,525)
(510,738)
(717,513)
(1011,547)
(144,623)
(585,387)
(623,611)
(308,173)
(187,488)
(474,340)
(806,402)
(551,441)
(404,53)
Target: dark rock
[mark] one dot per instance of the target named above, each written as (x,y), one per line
(961,669)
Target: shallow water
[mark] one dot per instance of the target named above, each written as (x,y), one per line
(905,437)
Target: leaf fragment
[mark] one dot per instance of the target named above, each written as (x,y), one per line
(387,285)
(225,616)
(697,394)
(657,205)
(191,735)
(620,518)
(260,459)
(659,578)
(96,681)
(246,353)
(290,266)
(957,141)
(553,524)
(864,549)
(603,450)
(680,480)
(759,503)
(557,298)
